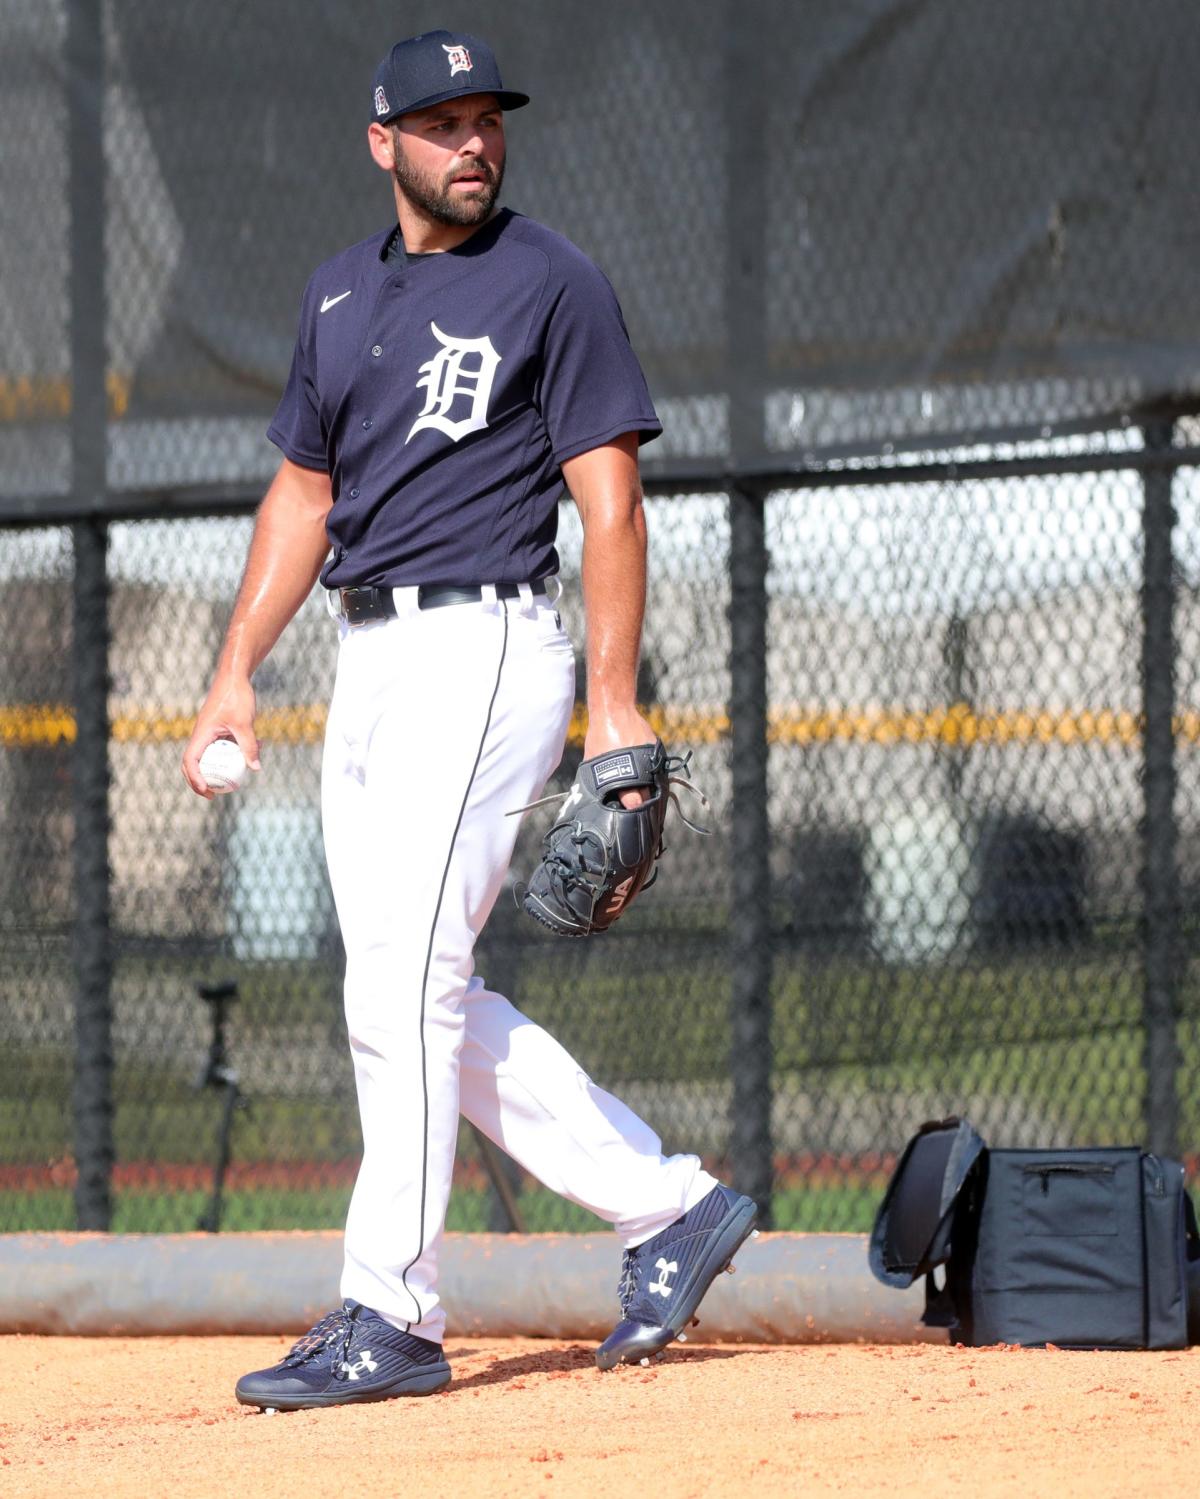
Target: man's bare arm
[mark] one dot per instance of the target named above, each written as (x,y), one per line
(608,492)
(286,552)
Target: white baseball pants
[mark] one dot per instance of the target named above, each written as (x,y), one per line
(442,721)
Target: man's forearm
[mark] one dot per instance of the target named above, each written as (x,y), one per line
(285,557)
(614,593)
(286,553)
(608,492)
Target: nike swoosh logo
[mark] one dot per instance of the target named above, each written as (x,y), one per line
(333,301)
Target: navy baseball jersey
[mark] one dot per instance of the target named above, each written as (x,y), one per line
(442,393)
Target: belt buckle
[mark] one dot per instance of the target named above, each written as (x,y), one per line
(356,606)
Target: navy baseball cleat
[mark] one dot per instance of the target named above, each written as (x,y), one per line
(350,1355)
(663,1281)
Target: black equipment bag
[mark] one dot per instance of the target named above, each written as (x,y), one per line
(1080,1248)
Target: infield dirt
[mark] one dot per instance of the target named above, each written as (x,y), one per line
(156,1416)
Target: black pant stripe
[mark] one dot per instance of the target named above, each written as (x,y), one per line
(437,911)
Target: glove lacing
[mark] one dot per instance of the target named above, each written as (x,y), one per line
(678,769)
(566,872)
(678,773)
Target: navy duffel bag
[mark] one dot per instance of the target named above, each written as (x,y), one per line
(1080,1248)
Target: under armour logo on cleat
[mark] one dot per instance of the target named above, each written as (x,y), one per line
(660,1287)
(364,1364)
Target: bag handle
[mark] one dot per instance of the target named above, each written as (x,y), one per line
(940,1310)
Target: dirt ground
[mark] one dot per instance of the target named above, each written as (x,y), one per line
(156,1416)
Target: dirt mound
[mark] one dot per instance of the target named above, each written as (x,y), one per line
(157,1415)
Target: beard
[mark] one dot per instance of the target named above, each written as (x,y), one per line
(427,191)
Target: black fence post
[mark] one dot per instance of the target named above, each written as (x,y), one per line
(1160,875)
(751,1143)
(750,917)
(92,957)
(92,1092)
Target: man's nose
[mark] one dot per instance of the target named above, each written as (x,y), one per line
(472,146)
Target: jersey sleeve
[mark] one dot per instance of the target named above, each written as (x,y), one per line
(296,426)
(591,387)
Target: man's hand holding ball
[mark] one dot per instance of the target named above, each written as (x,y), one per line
(223,765)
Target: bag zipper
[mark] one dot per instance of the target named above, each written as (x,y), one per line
(1066,1168)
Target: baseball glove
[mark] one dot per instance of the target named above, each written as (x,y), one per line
(599,855)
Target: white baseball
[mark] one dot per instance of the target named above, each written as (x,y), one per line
(223,765)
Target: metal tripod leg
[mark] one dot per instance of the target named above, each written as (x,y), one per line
(495,1164)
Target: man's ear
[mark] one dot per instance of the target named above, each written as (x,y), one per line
(382,146)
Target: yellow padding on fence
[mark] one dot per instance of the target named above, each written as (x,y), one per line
(37,725)
(27,398)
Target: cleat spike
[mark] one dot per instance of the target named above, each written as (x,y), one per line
(681,1337)
(730,1268)
(695,1322)
(270,1410)
(645,1362)
(754,1233)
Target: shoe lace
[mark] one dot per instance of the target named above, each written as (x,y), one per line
(336,1328)
(627,1285)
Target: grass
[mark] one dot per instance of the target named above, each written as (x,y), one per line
(830,1208)
(1054,1035)
(159,1116)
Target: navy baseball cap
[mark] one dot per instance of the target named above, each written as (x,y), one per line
(435,66)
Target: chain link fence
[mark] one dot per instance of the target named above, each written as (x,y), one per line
(957,854)
(917,305)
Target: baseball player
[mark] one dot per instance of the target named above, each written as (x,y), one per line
(450,373)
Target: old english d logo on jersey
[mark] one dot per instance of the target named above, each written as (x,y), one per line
(458,58)
(456,380)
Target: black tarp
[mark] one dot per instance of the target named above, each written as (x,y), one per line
(972,219)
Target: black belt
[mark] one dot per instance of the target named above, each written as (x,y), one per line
(358,605)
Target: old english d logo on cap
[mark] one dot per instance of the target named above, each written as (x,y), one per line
(459,59)
(437,65)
